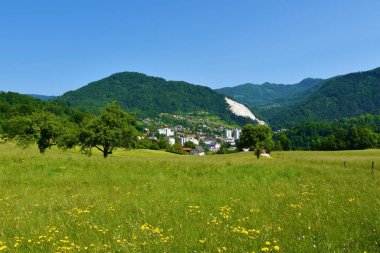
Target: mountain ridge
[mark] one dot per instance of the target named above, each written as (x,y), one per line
(149,96)
(341,96)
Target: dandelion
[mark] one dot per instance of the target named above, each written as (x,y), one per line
(203,241)
(194,209)
(296,206)
(220,250)
(276,248)
(225,212)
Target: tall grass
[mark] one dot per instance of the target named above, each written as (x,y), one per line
(151,201)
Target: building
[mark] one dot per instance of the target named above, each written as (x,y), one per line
(230,141)
(213,146)
(236,133)
(198,150)
(184,140)
(227,133)
(170,140)
(166,131)
(186,150)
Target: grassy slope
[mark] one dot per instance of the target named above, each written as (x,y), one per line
(299,201)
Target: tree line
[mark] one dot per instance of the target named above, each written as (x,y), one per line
(112,129)
(346,134)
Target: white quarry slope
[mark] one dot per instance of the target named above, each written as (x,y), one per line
(241,110)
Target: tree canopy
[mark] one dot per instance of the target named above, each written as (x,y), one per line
(112,129)
(258,136)
(41,128)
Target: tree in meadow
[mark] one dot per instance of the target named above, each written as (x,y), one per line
(112,129)
(256,137)
(41,128)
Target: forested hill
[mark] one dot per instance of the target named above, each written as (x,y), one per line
(147,96)
(13,104)
(342,96)
(256,95)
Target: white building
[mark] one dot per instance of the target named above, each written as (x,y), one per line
(166,131)
(236,133)
(171,141)
(227,133)
(184,140)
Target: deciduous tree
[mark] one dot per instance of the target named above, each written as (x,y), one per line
(41,128)
(112,129)
(259,136)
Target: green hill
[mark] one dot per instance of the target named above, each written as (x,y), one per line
(148,96)
(342,96)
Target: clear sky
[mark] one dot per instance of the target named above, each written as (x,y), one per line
(49,47)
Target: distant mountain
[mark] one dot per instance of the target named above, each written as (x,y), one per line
(150,96)
(41,97)
(271,94)
(342,96)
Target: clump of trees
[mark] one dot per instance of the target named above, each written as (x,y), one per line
(347,134)
(282,142)
(113,128)
(40,128)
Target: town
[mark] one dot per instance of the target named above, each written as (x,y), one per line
(193,133)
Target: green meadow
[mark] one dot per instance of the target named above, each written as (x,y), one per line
(152,201)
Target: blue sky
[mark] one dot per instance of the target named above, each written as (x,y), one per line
(49,47)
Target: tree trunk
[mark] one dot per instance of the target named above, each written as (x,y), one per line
(105,152)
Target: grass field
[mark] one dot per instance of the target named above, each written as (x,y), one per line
(149,201)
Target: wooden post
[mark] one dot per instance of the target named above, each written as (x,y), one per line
(345,164)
